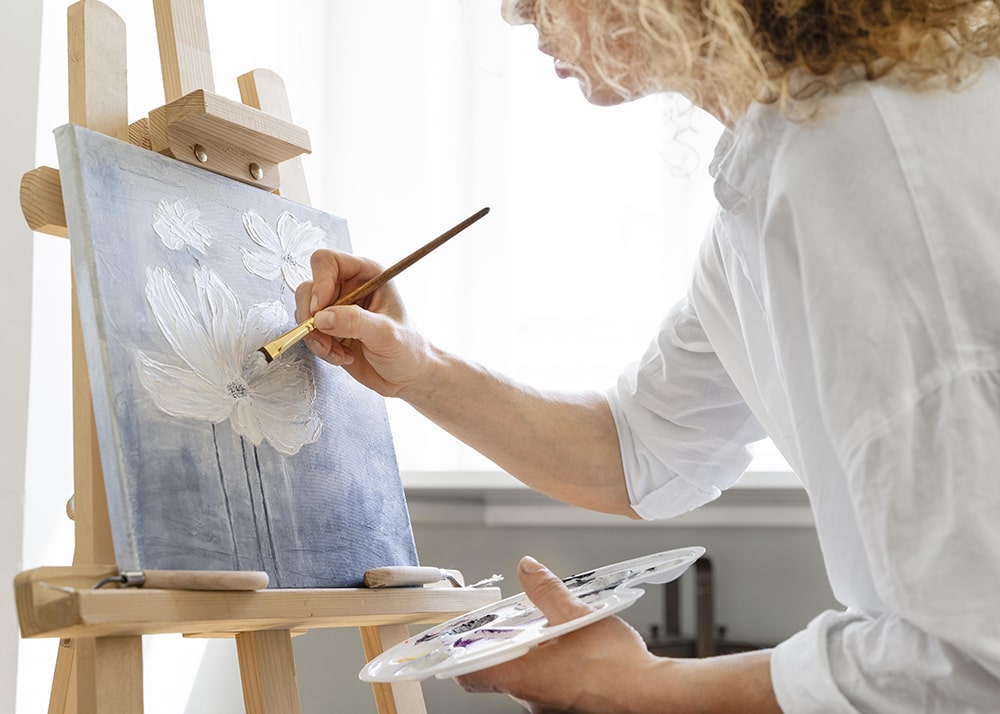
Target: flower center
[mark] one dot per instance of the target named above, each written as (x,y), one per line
(238,389)
(288,259)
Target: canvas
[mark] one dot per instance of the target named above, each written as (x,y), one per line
(213,459)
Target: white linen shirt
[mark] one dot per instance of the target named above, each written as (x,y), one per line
(846,302)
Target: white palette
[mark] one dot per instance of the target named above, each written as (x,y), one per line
(509,628)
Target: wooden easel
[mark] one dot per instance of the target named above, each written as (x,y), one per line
(99,662)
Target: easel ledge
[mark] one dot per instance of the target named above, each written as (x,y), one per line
(60,602)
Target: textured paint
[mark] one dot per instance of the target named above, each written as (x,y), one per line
(219,381)
(178,224)
(283,251)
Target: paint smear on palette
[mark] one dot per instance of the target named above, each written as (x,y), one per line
(460,627)
(485,635)
(511,627)
(447,651)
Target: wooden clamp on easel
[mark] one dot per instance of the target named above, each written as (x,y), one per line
(99,662)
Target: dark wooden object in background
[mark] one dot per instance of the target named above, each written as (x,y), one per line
(709,638)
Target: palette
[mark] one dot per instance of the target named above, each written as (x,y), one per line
(511,627)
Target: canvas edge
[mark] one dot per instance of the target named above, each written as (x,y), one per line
(68,138)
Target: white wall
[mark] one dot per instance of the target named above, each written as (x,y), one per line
(20,38)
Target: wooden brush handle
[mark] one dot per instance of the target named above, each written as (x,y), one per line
(366,289)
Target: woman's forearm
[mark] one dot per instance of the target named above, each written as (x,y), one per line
(562,444)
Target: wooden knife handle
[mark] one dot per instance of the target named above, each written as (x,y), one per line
(205,579)
(398,576)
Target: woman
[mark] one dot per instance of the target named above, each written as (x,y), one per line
(841,304)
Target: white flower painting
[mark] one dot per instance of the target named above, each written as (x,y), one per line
(219,378)
(284,250)
(213,458)
(178,224)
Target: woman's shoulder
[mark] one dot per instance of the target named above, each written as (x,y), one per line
(870,121)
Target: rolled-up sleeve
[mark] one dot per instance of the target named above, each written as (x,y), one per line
(684,430)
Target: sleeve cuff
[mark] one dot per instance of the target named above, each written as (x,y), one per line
(654,499)
(801,669)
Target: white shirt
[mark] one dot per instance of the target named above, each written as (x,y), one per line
(846,302)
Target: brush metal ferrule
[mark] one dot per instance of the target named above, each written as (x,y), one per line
(273,349)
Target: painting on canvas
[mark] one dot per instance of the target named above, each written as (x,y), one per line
(212,458)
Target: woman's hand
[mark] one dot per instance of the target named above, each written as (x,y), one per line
(595,669)
(605,667)
(371,340)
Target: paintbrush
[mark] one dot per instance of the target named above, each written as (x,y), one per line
(273,349)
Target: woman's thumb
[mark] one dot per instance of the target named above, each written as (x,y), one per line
(548,592)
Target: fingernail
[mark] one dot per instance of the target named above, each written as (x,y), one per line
(313,305)
(529,565)
(323,320)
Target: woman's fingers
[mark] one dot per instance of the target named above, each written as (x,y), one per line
(336,274)
(303,297)
(549,593)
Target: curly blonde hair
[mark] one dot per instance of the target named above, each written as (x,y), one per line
(767,50)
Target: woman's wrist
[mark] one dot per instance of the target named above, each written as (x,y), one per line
(423,389)
(638,688)
(732,683)
(728,683)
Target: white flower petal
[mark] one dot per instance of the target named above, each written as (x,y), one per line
(178,224)
(180,326)
(295,273)
(244,422)
(223,318)
(301,239)
(285,388)
(181,393)
(163,226)
(284,400)
(287,223)
(289,437)
(264,263)
(260,232)
(264,322)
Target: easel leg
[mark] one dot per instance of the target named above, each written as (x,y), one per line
(62,699)
(401,697)
(267,668)
(109,675)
